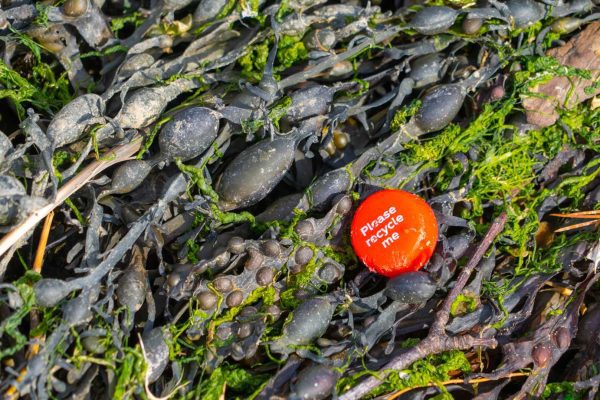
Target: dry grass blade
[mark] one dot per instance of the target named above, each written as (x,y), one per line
(580,225)
(592,214)
(34,316)
(453,382)
(117,155)
(41,249)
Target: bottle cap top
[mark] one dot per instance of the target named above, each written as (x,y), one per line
(393,232)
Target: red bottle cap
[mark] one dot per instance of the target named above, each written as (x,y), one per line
(394,232)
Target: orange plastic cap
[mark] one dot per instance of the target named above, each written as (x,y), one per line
(393,232)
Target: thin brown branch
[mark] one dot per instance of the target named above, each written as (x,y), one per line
(443,315)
